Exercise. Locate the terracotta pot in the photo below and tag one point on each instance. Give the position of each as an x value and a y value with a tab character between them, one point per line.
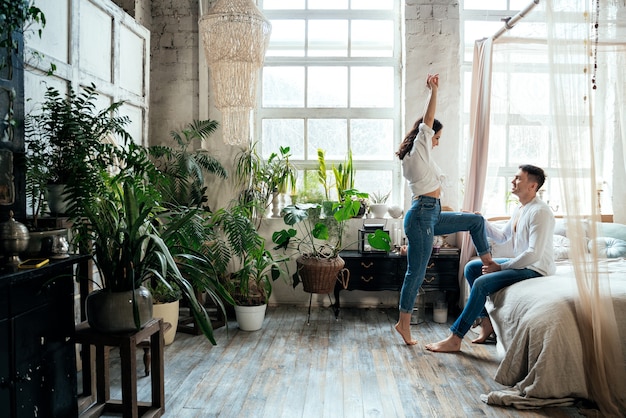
111	312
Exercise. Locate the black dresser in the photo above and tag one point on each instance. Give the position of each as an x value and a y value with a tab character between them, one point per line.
37	356
385	271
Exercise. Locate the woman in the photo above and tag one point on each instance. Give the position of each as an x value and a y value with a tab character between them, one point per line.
424	219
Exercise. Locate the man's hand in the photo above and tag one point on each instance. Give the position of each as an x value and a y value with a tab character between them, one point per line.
490	268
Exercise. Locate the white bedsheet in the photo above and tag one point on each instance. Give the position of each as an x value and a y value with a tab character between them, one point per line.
539	340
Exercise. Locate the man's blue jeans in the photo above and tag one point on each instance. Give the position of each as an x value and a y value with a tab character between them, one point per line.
422	222
483	285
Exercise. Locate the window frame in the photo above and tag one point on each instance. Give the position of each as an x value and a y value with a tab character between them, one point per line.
348	113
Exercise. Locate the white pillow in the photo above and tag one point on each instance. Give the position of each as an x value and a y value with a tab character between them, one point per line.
560	247
609	247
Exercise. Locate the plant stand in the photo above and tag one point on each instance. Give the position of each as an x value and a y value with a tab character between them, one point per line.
308	317
127	342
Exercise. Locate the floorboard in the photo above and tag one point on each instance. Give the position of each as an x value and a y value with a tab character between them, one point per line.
356	366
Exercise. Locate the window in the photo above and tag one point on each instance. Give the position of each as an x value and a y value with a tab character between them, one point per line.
332	80
520	115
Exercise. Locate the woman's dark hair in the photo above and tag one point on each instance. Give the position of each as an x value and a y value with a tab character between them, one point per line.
407	143
534	173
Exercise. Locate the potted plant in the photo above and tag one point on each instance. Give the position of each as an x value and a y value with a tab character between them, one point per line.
194	240
119	226
253	267
69	140
318	240
184	167
166	303
264	180
378	204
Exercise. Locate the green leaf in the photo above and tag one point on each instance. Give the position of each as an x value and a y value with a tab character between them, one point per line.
379	240
320	231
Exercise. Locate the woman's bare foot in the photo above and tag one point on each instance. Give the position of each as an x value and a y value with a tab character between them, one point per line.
406	334
452	344
485	331
404	328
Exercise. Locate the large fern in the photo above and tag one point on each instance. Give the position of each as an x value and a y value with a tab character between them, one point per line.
185	166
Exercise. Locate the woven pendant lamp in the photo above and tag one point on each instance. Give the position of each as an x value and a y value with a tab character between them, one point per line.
235	35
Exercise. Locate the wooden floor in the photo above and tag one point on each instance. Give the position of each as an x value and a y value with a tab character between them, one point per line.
354	367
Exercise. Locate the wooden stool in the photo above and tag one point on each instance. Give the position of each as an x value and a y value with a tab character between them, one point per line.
145	344
127	343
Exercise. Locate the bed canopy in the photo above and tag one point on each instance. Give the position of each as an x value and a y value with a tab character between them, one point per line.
569	58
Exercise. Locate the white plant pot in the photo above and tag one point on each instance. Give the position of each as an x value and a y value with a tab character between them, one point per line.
169	313
250	318
379	210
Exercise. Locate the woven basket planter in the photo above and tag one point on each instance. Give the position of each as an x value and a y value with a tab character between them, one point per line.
320	275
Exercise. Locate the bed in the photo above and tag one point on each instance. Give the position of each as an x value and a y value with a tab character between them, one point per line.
537	331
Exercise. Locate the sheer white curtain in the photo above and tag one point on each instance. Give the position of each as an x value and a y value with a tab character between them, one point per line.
479	134
553	65
581	37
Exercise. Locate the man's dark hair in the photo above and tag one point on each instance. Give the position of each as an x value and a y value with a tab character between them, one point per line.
535	173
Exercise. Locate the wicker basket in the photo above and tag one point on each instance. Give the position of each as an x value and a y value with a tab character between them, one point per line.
320	275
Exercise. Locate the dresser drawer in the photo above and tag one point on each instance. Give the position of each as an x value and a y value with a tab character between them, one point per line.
373	274
442	273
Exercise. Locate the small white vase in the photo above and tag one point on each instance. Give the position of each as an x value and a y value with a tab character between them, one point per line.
250	318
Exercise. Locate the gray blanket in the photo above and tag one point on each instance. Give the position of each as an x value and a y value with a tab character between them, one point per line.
538	337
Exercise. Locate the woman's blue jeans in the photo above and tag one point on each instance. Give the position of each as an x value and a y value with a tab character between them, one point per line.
422	222
483	285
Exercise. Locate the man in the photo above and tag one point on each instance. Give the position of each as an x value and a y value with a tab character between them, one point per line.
530	229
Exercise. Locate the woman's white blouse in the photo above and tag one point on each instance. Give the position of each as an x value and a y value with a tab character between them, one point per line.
418	168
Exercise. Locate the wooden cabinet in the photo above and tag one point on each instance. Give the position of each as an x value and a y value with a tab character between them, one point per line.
375	272
37	356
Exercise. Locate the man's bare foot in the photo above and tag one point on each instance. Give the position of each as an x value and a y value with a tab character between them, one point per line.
485	331
406	335
452	344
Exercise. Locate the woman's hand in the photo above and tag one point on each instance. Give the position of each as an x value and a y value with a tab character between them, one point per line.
432	81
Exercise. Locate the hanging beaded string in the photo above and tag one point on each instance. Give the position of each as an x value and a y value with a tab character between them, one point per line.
596	30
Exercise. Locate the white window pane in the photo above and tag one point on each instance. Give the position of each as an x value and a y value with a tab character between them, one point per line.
329	135
287	38
372	4
283	133
479	29
530	101
482	5
283	4
328	87
328	38
475	30
372	139
371	87
328	4
372	38
518	4
467	91
283	87
374	181
528	145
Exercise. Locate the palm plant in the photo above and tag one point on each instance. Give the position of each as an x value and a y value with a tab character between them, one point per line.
186	168
252	268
